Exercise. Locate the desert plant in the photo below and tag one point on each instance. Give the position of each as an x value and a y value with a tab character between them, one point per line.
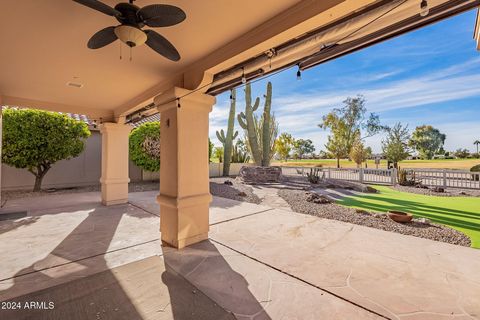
314	175
227	140
404	179
240	153
261	134
35	140
144	146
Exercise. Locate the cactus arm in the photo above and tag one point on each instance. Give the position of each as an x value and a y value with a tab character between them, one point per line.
235	135
241	121
257	103
221	136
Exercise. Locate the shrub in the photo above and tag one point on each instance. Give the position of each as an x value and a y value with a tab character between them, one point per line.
36	139
144	145
475	169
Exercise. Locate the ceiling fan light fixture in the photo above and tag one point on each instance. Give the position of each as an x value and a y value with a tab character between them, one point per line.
131	36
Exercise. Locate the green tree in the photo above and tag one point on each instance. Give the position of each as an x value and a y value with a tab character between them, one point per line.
358	152
395	145
144	146
476	143
462	153
427	140
303	147
283	145
336	145
218	153
35	140
351	122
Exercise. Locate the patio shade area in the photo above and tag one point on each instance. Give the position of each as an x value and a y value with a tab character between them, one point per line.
259	262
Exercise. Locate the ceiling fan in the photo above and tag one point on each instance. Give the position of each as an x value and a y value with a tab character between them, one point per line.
132	19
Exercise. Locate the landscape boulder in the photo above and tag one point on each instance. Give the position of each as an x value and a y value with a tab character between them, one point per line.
316	198
258	175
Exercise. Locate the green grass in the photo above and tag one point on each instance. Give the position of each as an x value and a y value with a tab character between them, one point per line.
461	213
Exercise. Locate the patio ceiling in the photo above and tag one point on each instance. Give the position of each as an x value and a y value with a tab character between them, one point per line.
47	48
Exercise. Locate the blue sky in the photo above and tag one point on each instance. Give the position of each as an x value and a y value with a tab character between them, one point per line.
429	76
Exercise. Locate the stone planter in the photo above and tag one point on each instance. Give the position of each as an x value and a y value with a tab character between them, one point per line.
257	174
400	216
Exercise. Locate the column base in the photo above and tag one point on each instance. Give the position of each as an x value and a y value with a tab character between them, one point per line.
184	221
114	193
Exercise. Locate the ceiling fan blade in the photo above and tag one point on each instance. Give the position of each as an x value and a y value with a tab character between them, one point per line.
161	15
102	38
161	45
99	6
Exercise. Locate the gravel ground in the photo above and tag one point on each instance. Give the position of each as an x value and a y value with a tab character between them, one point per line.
236	191
297	201
132	187
449	192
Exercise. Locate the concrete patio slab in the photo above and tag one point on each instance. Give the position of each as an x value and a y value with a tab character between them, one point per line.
221	209
401	277
260	263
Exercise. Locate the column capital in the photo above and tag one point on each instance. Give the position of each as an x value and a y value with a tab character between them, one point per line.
113	126
168	99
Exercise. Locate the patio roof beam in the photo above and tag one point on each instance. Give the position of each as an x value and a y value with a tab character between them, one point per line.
436	14
329	42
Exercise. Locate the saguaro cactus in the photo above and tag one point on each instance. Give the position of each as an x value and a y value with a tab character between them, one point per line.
227	140
246	120
260	134
266	134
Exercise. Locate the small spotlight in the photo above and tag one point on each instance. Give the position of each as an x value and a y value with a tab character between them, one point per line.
299	73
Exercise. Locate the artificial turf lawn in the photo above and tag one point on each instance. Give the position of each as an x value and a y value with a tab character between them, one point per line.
461	213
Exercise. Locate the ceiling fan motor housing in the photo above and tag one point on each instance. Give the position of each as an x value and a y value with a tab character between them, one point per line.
131	36
129	31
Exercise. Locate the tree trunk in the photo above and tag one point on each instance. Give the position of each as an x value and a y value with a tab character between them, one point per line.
338	162
41	172
38	183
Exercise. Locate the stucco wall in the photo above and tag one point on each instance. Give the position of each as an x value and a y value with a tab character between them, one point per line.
80	171
216	169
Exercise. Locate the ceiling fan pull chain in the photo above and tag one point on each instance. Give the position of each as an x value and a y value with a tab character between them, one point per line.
130	54
120	45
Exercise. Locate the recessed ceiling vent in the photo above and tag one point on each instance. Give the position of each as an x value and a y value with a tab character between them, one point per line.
75	84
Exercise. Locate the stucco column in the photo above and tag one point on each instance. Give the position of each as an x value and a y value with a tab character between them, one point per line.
114	178
184	184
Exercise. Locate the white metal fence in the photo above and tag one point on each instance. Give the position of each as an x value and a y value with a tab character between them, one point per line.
363	175
446	178
429	177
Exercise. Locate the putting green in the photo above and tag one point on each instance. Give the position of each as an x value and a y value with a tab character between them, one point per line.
461	213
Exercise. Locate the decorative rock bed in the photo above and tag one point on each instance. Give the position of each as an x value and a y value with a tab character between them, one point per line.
301	201
432	191
232	189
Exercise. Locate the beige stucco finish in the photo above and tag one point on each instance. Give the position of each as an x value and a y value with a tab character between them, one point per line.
184	187
114	178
